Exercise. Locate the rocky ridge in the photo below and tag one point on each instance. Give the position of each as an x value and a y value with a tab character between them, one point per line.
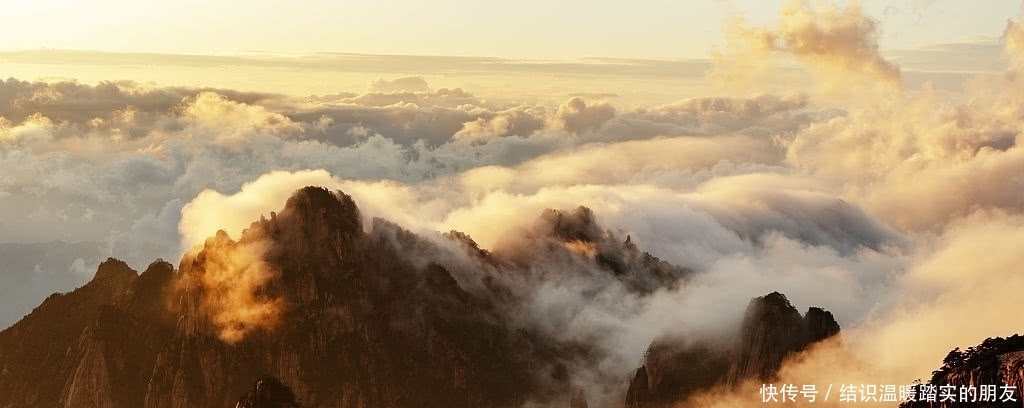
771	331
997	362
342	317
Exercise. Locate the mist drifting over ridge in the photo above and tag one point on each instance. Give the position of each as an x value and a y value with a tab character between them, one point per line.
898	210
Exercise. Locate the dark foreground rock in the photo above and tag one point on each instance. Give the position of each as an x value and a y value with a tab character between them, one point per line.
269	392
992	374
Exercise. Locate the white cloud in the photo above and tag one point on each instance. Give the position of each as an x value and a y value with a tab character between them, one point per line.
889	211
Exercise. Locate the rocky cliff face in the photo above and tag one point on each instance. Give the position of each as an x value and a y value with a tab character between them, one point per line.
565	237
357	323
996	361
345	318
36	354
771	331
269	392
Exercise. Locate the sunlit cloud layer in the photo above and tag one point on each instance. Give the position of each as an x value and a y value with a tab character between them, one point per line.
898	209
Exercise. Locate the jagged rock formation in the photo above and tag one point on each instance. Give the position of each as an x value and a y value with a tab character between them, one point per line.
34	365
672	370
996	361
345	318
772	330
563	234
269	392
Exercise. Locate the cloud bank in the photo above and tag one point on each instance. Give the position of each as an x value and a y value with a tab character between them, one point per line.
835	43
899	212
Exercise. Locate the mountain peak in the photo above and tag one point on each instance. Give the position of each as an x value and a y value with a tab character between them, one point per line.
114	270
774	299
771	331
352	319
820	324
269	392
578	225
312	201
312	214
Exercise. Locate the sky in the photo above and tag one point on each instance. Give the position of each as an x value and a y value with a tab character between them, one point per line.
661	29
867	160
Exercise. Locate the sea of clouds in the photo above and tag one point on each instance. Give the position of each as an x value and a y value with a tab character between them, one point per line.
898	210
